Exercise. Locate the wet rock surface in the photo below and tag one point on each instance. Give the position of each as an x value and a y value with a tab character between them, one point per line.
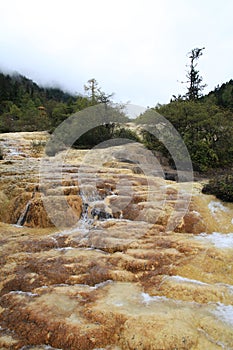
21	196
134	281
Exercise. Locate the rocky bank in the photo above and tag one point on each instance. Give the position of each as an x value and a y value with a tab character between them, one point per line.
157	275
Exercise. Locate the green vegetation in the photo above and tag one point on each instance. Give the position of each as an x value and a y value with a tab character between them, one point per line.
222	95
103	133
25	106
88	128
221	187
206	128
194	80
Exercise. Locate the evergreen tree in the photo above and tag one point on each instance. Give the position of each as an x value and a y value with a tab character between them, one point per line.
194	81
93	90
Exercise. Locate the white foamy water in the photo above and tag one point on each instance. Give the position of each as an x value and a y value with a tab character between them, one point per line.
196	213
219	240
228	286
76	229
180	279
11	150
20	292
101	284
184	279
216	207
39	347
224	313
146	298
65	249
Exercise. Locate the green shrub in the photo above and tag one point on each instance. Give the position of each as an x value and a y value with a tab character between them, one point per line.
103	133
206	129
126	133
221	187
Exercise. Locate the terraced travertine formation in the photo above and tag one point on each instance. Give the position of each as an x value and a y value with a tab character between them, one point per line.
131	282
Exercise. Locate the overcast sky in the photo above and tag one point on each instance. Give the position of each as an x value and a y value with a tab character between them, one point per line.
134	48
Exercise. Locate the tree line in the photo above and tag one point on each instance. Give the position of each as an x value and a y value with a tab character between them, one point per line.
25	106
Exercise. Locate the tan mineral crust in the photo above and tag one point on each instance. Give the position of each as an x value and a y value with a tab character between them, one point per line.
151	277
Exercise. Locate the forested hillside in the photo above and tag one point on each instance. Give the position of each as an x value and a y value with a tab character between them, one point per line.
25	106
222	95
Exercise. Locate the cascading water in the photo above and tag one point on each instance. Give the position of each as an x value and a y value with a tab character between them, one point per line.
23	217
94	205
21	220
11	149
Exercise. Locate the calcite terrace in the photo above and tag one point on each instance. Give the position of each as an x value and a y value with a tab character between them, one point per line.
148	278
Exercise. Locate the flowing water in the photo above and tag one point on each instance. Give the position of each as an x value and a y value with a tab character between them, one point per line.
172	287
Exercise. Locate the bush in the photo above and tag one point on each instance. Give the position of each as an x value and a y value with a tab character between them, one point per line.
103	133
206	129
221	187
126	133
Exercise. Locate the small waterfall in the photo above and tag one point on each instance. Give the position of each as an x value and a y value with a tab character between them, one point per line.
23	216
21	220
11	149
85	221
94	207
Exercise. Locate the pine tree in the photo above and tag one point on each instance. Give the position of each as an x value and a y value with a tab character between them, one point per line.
194	81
